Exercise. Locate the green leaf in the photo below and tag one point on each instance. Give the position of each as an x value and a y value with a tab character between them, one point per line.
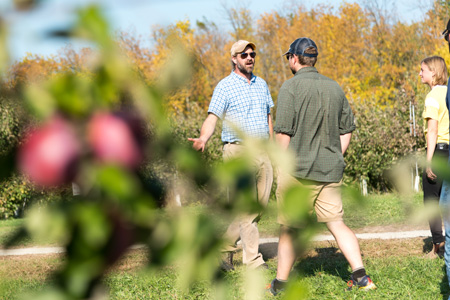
92	25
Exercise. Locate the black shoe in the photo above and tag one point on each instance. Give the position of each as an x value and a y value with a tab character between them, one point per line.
226	266
272	289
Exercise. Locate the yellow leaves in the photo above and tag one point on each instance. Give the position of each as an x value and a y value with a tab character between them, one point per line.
442	50
184	27
33	68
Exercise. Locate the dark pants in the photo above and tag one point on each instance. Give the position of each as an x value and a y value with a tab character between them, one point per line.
432	193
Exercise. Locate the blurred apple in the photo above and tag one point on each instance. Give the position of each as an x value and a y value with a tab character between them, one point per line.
113	140
50	154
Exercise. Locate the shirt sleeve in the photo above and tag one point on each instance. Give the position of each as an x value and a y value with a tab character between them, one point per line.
347	123
431	110
285	117
219	101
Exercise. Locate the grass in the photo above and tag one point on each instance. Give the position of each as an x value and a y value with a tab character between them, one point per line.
8	228
398	267
384	210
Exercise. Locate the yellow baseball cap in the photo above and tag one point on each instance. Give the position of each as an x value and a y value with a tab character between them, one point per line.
240	46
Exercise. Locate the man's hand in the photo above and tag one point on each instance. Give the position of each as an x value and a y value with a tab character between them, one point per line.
205	133
198	144
430	174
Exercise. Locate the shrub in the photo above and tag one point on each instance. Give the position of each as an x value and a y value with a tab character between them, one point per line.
15	195
11	123
15	192
382	136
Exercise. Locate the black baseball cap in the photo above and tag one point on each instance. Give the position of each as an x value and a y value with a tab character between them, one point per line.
446	31
299	46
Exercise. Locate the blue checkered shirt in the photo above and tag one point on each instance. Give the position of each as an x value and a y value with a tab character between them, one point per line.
242	105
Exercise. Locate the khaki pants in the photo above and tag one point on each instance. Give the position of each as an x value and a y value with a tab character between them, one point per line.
324	198
244	227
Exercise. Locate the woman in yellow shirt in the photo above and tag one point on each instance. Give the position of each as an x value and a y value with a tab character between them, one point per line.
433	72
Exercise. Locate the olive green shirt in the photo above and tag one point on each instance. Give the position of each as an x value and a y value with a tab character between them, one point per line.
313	110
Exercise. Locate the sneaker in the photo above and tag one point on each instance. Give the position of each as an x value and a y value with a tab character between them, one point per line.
226	266
271	288
364	284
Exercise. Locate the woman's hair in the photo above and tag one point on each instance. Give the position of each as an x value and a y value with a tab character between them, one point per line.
437	65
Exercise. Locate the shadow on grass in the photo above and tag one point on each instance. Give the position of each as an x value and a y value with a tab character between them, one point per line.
268	250
427	244
327	260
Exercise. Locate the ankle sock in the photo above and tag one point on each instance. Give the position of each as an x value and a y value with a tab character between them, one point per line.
279	284
358	274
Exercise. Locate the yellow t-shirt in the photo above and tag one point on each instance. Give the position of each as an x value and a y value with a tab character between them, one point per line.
436	109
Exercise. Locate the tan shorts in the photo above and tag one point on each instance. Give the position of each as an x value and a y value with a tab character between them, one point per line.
324	197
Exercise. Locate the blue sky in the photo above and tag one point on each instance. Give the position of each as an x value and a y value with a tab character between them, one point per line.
27	29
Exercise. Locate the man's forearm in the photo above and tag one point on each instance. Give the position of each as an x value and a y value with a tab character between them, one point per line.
283	140
207	129
206	132
269	120
345	141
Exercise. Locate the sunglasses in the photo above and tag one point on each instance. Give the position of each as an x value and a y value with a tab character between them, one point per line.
244	55
289	56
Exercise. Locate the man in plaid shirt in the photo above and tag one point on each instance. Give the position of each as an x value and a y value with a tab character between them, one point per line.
243	101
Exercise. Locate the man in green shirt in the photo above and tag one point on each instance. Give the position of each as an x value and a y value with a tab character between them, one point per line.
315	122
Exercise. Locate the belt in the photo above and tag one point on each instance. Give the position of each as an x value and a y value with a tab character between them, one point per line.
232	143
442	146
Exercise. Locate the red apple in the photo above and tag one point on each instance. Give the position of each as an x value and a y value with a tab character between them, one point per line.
50	153
113	140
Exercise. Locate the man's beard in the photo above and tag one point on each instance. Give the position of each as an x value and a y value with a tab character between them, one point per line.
244	70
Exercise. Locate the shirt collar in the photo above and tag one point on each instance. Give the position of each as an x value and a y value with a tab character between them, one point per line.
252	79
307	70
